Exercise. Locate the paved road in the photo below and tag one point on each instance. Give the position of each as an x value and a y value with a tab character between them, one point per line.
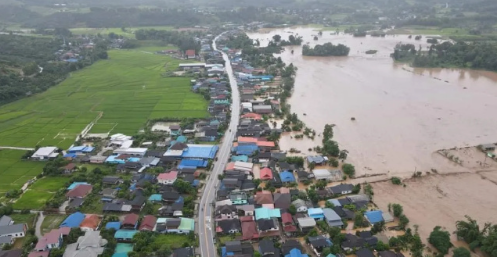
206	224
39	221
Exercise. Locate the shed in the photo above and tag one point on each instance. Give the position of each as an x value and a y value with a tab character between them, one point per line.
387	217
374	216
287	177
73	220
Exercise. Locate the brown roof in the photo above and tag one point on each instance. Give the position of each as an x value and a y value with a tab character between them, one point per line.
130	219
79	191
249	230
148	223
190	52
286	218
90	221
264	199
70	166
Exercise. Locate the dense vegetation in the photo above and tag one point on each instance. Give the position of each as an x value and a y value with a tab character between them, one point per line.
447	54
183	40
483	238
327	49
28	65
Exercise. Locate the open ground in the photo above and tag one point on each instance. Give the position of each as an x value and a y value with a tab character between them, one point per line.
441	200
122	93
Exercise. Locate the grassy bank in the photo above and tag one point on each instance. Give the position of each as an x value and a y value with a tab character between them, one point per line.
15	172
124	91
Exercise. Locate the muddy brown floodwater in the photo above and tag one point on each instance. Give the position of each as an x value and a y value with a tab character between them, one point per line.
403	115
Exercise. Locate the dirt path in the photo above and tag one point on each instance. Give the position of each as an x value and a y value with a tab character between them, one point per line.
17	148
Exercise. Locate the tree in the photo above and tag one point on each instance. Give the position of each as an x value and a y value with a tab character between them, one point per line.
396	181
73	236
397	209
380	246
292	209
440	239
378	227
461	252
488	244
276	38
311	166
348	169
329	204
469	231
403	221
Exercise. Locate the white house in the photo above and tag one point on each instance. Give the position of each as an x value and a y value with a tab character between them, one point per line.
14	231
45	153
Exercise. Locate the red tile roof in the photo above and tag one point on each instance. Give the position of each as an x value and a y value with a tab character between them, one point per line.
79	191
286	218
130	219
252	115
148	223
249	230
70	166
266	173
90	221
190	52
247	140
265	143
168	176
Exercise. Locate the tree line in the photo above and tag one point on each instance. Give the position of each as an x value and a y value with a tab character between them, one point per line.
477	55
326	49
183	40
28	64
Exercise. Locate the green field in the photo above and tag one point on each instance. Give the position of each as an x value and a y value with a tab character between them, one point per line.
29	219
124	91
49	184
14	172
128	32
33	200
50	222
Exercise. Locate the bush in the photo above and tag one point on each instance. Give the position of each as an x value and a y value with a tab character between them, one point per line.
440	239
396	181
397	209
461	252
348	169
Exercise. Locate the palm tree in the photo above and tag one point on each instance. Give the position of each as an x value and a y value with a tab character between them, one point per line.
469	230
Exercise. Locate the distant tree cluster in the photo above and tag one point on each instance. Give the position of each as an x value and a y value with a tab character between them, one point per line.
292	41
182	40
327	49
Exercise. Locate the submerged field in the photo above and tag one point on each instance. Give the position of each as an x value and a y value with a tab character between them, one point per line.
121	93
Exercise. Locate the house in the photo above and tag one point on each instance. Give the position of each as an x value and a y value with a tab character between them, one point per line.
80	191
173	210
301	205
288	224
226	212
116	225
90	223
374	216
148	223
228	226
108	194
175	225
237	248
322	174
75	203
89	245
247	209
318	160
11	253
316	213
111	180
304	176
6	240
287	177
289	245
389	254
45	153
125	235
184	252
52	239
249	228
73	220
368	238
262	109
282	201
167	178
332	218
190	54
130	221
266	248
296	253
306	224
137	203
352	242
266	213
238	198
318	243
6	221
341	189
264	197
266	174
268	227
364	252
387	217
69	168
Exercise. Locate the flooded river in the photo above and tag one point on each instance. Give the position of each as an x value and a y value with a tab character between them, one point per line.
402	115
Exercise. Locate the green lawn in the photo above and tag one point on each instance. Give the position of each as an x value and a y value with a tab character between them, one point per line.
124	91
50	184
172	240
50	222
29	219
33	200
14	172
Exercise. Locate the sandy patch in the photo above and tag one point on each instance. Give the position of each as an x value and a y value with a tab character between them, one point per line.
438	200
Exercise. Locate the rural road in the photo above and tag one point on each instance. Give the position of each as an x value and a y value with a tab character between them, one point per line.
39	221
17	148
206	225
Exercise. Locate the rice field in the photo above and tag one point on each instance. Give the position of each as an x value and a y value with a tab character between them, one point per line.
120	93
14	172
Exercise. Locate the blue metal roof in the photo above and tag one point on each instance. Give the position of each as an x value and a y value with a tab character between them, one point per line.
113	225
287	176
73	220
75	184
193	162
296	253
200	151
155	197
374	216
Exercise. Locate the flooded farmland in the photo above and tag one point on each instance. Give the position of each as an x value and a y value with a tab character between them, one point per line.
402	115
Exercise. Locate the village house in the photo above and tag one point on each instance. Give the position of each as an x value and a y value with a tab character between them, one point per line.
318	243
89	245
90	223
52	239
228	226
45	153
341	189
80	191
332	218
167	178
306	224
301	205
148	223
